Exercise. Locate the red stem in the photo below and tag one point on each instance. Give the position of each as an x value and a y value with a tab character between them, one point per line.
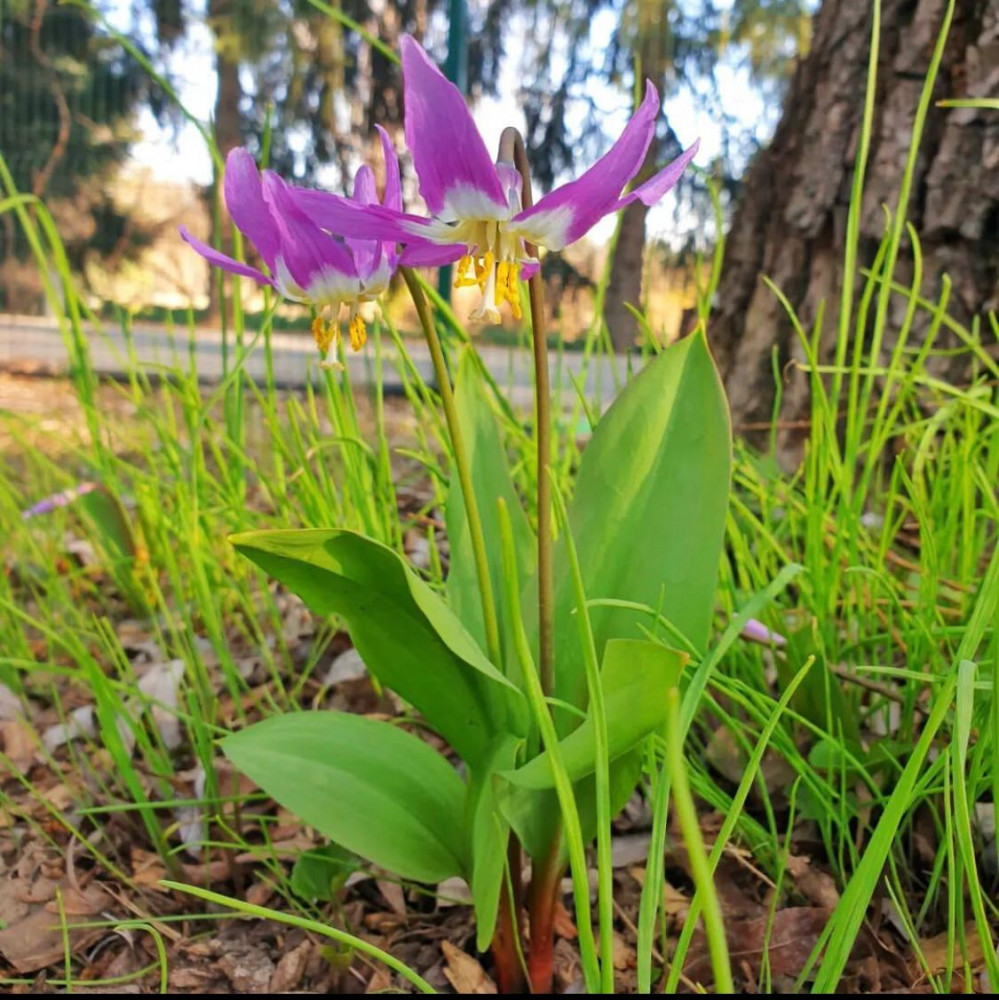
542	896
509	972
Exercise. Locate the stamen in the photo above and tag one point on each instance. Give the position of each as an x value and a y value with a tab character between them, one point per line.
484	270
462	278
358	332
327	336
506	287
324	334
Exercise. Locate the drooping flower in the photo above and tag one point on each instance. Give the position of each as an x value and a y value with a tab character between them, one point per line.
306	263
477	215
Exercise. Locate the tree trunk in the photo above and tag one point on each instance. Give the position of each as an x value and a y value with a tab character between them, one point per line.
791	223
624	286
228	133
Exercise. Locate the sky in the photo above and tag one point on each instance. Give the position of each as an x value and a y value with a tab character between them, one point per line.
182	156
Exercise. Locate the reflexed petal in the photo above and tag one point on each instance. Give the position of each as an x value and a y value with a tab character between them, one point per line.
365	189
245	201
569	212
315	261
218	259
458	179
432	254
367	253
367	222
392	198
655	187
529	269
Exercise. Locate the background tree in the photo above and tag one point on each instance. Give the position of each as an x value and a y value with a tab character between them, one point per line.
676	44
68	95
790	223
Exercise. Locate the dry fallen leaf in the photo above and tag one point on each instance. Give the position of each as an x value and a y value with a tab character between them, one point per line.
793	935
463	972
624	954
936	951
34	940
563	923
17	741
393	894
249	970
290	969
816	886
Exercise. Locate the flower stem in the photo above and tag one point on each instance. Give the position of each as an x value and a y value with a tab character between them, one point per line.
543	896
461	463
512	148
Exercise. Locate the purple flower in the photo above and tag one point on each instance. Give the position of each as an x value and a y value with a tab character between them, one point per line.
305	263
478	219
62	499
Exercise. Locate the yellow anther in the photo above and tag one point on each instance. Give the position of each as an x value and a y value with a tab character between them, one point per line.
506	287
324	334
483	270
358	333
462	278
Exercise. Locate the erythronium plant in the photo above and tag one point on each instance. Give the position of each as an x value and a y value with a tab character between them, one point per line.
478	213
305	263
539	665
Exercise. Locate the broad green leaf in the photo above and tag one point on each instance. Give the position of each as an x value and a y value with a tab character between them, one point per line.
534	814
648	512
490	834
408	637
635	675
320	873
491	480
111	521
369	786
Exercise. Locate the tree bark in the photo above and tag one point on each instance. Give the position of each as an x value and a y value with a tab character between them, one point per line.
228	132
624	287
791	222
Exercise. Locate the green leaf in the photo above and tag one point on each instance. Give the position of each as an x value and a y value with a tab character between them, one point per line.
491	480
371	787
111	521
408	637
320	873
820	697
648	513
490	833
635	675
534	814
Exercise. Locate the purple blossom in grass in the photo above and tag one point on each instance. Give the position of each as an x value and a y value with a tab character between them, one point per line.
56	500
304	262
756	631
478	219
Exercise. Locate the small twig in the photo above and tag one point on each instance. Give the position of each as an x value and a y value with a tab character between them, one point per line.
878	688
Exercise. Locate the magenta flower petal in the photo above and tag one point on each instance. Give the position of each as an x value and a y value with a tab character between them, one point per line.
529	269
245	201
218	259
392	198
337	214
458	178
432	254
321	267
367	253
569	212
365	189
655	187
